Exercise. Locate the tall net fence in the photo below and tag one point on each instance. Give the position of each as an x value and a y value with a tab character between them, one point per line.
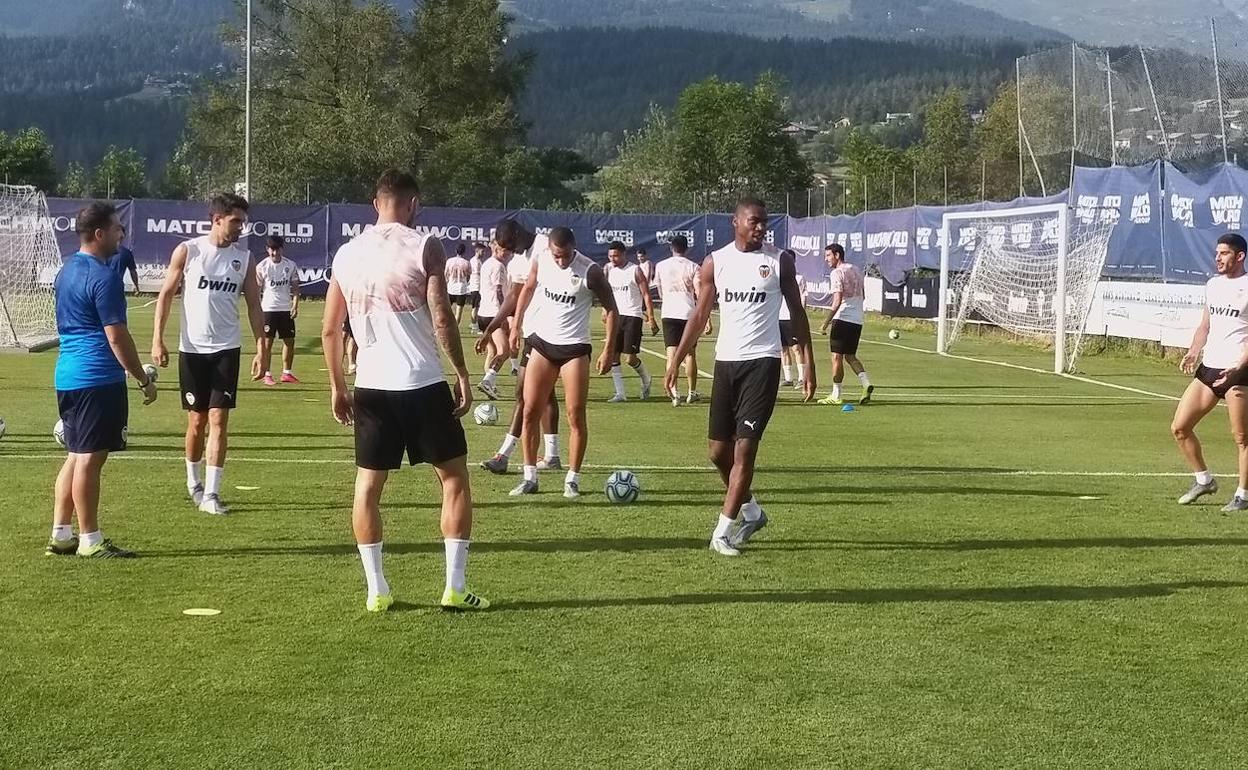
29	260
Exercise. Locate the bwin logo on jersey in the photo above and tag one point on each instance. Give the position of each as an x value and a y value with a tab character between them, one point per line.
752	296
1230	312
1227	210
225	285
565	299
1141	209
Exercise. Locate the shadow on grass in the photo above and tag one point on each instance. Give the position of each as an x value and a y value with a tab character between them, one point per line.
1006	545
882	401
1036	593
766	492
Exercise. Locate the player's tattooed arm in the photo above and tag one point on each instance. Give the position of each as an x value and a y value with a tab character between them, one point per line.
792	294
164	303
440	305
598	284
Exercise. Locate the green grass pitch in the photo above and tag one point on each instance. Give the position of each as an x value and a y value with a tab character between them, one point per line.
986	568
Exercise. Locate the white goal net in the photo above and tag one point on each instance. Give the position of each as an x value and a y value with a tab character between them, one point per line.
1029	271
29	260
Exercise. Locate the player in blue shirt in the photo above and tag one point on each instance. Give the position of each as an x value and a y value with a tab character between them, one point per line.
95	354
123	262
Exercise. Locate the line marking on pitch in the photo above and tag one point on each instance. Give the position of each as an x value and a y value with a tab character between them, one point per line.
663	356
838	470
1075	377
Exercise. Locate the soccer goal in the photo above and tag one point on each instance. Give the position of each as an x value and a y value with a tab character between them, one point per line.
1031	271
29	260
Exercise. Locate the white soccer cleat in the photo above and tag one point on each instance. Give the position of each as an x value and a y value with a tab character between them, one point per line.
212	505
489	389
196	493
571	489
618	398
693	397
646	382
525	487
550	464
721	546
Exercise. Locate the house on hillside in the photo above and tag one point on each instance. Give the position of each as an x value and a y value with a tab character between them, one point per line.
799	130
843	123
898	117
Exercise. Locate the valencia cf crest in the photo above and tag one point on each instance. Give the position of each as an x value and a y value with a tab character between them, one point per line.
576	282
238	266
764	271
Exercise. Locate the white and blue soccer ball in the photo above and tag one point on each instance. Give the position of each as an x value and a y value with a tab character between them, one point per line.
485	414
58	432
151	371
893	334
623	487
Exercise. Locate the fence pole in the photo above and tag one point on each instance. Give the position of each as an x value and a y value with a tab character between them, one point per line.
1018	98
915	172
1074	112
894	202
1217	76
1113	133
983	180
1152	92
946	185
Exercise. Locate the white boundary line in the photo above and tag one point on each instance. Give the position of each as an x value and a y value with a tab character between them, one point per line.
1077	378
663	356
842	470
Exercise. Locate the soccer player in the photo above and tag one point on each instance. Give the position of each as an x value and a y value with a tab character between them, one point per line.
96	351
648	270
632	298
351	349
458	276
677	279
493	285
212	271
791	356
525	244
279	283
390	281
845	316
123	262
474	278
554	310
751	280
1221	345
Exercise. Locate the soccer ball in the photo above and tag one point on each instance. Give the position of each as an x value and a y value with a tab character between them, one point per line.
894	335
58	432
485	414
151	371
623	487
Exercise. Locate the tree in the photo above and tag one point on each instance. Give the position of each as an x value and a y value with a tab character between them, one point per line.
946	149
120	174
26	159
77	183
643	178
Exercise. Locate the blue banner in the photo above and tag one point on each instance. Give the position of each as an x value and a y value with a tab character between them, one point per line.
1200	208
1129	196
889	237
64	215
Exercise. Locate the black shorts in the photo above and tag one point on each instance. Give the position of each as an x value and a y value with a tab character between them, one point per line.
95	418
844	337
628	335
786	334
673	330
743	396
208	380
475	298
556	354
1209	375
483	323
420	423
460	299
278	323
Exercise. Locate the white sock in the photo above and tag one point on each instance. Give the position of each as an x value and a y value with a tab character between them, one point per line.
788	372
836	390
640	368
370	556
509	445
89	540
490	376
1204	477
801	376
62	531
268	374
573	477
552	445
751	510
456	563
1241	493
530	473
722	526
617	375
288	371
192	474
514	367
212	480
864	379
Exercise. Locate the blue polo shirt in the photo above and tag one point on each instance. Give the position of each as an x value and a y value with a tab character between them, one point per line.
122	262
89	296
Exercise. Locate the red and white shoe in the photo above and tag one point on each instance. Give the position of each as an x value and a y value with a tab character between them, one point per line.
268	380
290	379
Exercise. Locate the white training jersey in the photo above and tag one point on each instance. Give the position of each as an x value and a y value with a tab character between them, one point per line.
277	284
785	313
678	286
623	282
847	280
748	283
458	274
211	286
648	269
474	275
559	311
382	275
493	287
1227	302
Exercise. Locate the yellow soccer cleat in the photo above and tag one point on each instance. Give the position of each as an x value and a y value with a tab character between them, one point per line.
830	401
463	601
380	603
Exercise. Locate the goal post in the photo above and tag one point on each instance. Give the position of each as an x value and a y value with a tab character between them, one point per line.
29	261
1031	271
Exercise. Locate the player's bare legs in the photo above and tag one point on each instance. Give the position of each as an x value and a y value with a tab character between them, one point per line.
196	438
456	533
575	374
691	374
550	431
1197	401
539	382
366	526
1237	407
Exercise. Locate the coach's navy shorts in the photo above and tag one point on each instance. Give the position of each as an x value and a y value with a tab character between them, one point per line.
95	418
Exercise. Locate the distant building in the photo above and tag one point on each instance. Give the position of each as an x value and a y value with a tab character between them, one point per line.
898	117
799	130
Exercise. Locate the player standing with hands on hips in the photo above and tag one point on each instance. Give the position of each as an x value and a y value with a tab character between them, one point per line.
751	279
1221	345
279	282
